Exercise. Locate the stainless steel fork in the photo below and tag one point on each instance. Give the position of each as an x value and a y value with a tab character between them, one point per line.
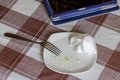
44	44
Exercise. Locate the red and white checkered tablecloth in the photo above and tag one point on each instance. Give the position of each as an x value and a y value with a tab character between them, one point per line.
20	60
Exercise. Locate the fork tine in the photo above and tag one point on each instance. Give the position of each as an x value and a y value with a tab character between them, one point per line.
51	49
51	45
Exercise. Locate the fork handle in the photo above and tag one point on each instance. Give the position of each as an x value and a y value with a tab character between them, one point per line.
11	35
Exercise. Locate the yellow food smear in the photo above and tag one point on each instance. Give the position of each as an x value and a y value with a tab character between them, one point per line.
66	58
78	60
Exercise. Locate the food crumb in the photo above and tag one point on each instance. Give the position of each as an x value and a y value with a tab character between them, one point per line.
78	60
66	58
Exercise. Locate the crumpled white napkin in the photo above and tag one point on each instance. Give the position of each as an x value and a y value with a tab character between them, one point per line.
83	44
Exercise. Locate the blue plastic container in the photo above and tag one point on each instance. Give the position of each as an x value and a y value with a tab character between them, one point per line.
73	13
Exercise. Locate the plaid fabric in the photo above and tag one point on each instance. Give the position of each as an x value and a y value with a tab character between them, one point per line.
21	60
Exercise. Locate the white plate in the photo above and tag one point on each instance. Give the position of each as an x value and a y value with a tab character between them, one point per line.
69	61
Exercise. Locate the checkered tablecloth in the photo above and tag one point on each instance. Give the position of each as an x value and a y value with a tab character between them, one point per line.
21	60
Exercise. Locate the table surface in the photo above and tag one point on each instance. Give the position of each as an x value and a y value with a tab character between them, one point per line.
21	60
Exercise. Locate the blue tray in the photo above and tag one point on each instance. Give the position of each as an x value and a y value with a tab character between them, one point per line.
81	13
